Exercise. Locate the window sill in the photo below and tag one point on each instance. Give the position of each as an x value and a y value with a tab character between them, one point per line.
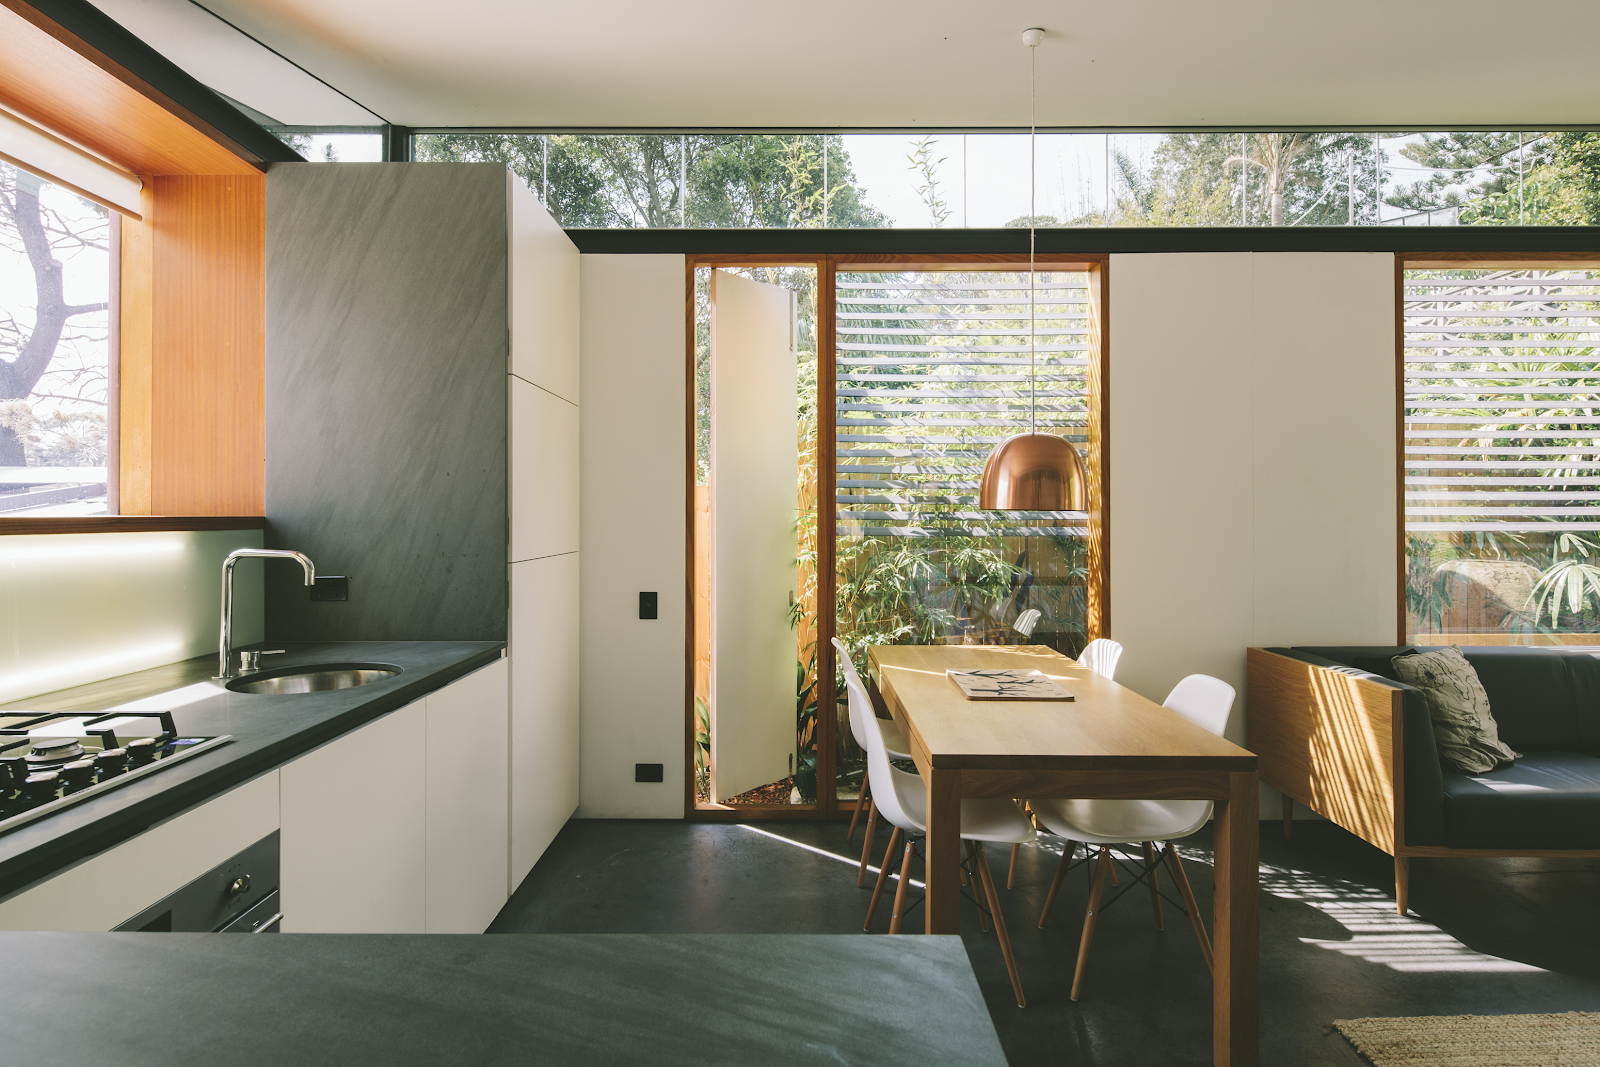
129	524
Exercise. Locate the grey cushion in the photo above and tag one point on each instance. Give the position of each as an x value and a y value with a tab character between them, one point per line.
1463	727
1547	799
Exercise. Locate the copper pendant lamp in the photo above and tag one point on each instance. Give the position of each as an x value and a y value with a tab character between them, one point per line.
1033	471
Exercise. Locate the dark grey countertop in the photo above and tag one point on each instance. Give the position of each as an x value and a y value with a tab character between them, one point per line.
267	731
744	1000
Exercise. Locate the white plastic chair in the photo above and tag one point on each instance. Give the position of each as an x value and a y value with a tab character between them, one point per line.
1100	656
902	800
1205	701
894	739
1025	622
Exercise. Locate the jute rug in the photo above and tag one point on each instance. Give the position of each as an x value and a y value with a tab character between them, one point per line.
1569	1040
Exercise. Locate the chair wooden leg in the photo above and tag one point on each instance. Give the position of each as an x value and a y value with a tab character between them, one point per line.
883	876
861	802
1199	924
1153	868
1288	816
900	890
1101	869
1000	925
866	843
1011	875
1055	883
976	882
1402	882
1114	879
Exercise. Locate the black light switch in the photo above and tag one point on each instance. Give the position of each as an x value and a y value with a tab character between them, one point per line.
648	772
330	587
647	610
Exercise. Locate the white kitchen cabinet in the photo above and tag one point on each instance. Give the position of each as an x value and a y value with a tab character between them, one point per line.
354	844
544	427
113	886
544	705
467	813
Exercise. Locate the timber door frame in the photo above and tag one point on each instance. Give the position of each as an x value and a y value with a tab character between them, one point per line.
1097	466
826	806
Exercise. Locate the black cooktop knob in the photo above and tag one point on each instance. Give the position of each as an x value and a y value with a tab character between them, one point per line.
144	750
77	774
41	788
112	761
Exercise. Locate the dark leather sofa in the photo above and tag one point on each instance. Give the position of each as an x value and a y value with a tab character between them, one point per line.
1304	723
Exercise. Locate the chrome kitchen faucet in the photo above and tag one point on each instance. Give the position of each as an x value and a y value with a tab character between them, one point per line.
224	668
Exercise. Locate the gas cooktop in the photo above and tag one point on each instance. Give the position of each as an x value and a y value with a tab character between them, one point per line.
49	761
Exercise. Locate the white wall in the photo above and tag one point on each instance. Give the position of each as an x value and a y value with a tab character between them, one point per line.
543	395
1252	460
632	534
76	608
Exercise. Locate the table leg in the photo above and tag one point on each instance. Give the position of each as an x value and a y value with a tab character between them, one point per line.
942	902
1236	1029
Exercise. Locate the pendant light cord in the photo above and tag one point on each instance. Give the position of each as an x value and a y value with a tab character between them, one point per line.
1033	182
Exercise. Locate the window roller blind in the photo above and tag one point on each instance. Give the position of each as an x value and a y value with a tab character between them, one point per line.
1502	401
42	154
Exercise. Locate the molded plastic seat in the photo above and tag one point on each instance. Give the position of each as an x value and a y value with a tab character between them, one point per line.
894	738
901	798
1100	656
1205	701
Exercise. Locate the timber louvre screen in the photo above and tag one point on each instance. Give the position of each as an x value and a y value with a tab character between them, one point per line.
932	370
1501	391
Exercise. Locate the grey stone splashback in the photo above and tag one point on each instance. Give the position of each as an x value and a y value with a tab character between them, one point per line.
386	398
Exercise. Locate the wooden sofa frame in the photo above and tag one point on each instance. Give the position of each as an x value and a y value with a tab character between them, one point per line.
1334	742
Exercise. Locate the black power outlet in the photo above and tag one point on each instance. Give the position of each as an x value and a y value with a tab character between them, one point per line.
647	607
331	587
649	772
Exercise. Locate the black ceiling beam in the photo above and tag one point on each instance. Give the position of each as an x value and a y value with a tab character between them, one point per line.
93	34
1085	241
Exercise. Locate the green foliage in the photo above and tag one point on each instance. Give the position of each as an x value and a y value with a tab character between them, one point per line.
702	749
1570	577
653	180
922	161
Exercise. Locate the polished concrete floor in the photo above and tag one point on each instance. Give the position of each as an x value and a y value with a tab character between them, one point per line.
1484	936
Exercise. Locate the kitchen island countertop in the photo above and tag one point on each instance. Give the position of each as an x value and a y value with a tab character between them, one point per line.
399	999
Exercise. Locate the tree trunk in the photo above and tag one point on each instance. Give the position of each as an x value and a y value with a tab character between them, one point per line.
19	376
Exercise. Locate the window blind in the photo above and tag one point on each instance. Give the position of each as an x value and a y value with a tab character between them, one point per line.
1502	401
932	370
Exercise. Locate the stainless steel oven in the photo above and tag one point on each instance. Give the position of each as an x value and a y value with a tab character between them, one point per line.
238	896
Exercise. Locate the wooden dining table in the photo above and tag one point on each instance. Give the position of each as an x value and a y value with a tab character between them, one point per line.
1108	742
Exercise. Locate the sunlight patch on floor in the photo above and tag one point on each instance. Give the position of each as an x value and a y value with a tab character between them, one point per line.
813	849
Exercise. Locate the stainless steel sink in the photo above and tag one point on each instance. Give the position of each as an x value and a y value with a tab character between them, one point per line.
314	678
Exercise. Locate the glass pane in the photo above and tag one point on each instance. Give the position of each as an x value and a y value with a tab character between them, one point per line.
333	144
933	369
1502	466
1221	178
55	281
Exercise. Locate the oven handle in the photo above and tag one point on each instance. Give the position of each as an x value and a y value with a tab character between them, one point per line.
269	924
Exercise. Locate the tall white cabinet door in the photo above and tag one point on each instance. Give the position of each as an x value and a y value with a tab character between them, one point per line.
544	705
467	809
354	842
754	459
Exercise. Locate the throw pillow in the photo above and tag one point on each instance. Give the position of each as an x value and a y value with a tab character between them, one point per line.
1463	729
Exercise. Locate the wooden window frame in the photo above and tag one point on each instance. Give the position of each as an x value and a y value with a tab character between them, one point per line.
1404	261
1097	466
190	345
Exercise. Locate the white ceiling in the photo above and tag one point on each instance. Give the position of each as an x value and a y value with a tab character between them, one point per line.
943	63
231	63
